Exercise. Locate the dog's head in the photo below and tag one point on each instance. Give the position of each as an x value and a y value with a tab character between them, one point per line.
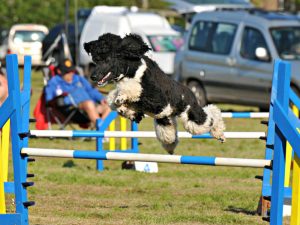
115	57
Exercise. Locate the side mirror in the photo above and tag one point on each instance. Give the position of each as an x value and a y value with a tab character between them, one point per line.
262	54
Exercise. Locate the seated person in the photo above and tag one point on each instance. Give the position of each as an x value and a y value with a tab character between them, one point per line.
3	87
75	90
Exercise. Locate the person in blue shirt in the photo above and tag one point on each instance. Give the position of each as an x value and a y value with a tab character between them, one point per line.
77	91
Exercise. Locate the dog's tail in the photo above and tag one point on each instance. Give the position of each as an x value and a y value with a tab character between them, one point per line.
217	125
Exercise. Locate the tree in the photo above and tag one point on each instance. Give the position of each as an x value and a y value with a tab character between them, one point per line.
51	12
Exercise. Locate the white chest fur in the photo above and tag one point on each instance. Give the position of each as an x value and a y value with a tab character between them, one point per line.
131	87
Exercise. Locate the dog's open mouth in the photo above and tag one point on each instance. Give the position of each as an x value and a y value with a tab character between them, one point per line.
104	80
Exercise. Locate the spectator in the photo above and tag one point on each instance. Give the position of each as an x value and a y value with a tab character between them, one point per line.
3	87
76	91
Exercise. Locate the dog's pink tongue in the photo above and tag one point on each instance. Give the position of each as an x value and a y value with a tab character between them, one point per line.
104	78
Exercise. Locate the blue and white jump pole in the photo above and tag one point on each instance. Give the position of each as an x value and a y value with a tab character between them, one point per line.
244	115
179	159
136	134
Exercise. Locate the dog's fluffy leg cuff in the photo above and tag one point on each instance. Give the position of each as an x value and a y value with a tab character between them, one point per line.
167	135
214	116
111	99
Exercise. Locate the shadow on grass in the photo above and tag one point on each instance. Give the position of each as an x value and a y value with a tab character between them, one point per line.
240	210
69	164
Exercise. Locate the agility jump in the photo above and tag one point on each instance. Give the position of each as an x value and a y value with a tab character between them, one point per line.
286	129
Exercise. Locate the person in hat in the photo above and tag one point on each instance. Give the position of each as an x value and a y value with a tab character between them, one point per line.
77	91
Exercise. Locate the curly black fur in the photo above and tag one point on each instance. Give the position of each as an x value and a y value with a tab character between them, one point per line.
143	88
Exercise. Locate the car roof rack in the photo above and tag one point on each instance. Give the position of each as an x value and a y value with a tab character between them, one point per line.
267	14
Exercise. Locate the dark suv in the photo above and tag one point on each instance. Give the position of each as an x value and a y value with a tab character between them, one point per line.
228	55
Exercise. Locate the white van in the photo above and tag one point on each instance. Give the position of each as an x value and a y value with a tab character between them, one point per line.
26	39
154	30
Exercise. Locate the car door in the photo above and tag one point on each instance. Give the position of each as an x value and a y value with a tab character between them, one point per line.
208	58
255	75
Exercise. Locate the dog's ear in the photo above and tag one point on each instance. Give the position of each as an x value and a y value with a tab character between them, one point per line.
88	46
93	48
133	47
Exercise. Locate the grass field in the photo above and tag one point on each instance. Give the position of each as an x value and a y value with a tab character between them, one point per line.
73	192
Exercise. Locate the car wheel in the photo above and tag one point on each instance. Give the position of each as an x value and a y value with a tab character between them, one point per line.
198	91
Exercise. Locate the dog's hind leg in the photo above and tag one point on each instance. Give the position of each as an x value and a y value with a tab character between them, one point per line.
209	119
166	132
217	126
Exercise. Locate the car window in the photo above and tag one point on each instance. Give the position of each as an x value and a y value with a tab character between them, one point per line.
287	42
212	37
28	36
251	40
165	43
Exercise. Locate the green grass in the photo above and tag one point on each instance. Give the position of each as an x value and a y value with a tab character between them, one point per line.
73	192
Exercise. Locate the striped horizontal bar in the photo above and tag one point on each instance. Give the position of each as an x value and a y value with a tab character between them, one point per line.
245	115
136	134
196	160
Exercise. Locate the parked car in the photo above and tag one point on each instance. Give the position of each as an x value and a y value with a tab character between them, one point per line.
153	29
228	55
188	8
26	39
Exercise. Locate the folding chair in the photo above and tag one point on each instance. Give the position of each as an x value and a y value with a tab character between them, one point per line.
55	112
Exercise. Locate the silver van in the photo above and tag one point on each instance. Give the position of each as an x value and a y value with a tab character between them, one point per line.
228	55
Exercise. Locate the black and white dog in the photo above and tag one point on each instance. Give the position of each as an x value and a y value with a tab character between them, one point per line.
142	88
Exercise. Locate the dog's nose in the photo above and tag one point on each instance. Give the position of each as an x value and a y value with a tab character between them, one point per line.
94	77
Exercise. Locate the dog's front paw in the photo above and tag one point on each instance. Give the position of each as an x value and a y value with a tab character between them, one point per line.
126	112
122	111
137	117
120	100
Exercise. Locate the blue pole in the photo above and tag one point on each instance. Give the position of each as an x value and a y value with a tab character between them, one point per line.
99	145
134	141
101	126
17	143
266	182
282	96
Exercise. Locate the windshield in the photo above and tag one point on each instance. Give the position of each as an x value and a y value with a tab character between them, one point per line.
287	42
165	43
28	36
